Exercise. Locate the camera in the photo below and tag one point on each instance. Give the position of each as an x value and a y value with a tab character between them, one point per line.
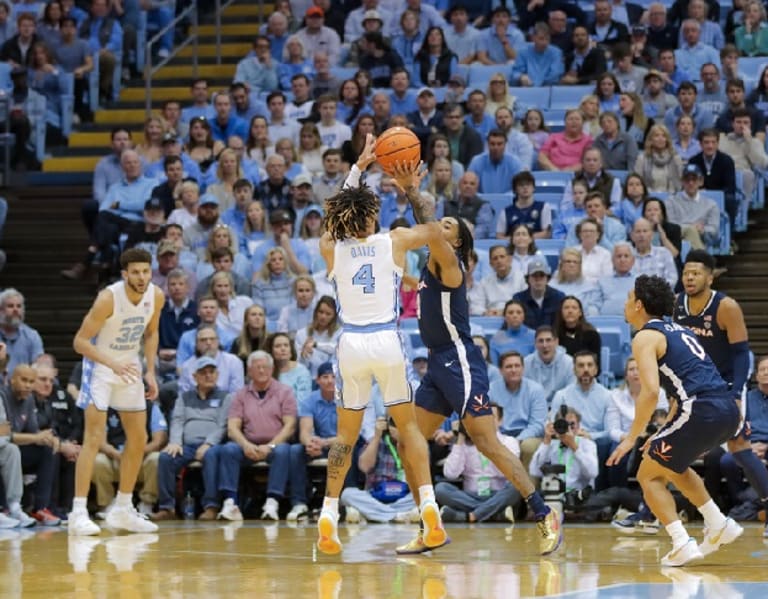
560	424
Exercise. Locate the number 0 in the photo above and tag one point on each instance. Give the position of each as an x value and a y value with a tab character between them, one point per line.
694	346
364	276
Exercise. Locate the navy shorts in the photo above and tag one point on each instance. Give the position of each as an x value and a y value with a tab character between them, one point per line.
456	381
698	426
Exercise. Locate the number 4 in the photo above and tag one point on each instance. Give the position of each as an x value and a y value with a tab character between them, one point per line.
364	276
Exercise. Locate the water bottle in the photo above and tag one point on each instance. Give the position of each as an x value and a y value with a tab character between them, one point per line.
189	507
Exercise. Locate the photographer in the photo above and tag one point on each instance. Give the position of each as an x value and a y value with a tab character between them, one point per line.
485	492
565	444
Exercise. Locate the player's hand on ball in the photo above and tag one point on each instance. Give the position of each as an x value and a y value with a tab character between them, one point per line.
368	155
408	175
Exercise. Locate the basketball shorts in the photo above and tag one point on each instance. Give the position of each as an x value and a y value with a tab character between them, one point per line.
365	356
698	425
456	381
104	389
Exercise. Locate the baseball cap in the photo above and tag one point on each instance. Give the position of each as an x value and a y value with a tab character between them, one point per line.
153	204
539	265
653	73
169	138
280	216
301	180
325	368
372	15
314	208
457	80
314	11
204	362
419	353
209	199
691	170
166	247
425	90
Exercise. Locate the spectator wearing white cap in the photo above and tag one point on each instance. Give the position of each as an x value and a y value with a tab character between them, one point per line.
301	198
354	25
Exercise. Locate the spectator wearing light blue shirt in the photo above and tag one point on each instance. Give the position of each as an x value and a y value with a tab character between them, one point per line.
258	72
607	298
477	117
518	143
539	63
428	15
513	335
495	168
694	53
549	365
105	38
524	403
502	41
686	96
201	107
230	367
409	38
402	100
462	38
225	124
23	343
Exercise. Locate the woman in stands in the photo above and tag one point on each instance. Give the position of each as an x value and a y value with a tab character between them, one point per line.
665	233
151	149
590	110
633	202
435	60
574	331
522	246
633	119
187	198
316	343
44	78
231	306
363	79
498	95
407	42
352	148
253	335
595	260
534	127
48	26
513	335
441	181
255	229
201	146
563	151
438	147
295	62
659	165
284	146
752	36
228	170
258	147
223	236
311	230
352	102
287	369
311	149
607	91
297	313
686	145
758	97
273	283
569	278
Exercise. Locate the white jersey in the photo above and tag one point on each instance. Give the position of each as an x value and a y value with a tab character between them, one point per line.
367	280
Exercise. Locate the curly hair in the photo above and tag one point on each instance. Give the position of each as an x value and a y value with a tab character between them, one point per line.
656	295
348	213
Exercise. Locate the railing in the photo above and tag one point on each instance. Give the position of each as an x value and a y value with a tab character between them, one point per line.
219	7
150	71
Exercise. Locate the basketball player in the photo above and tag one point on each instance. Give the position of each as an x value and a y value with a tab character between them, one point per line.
457	377
366	269
719	325
109	339
703	415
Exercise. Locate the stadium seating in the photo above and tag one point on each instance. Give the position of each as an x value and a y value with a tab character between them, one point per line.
568	96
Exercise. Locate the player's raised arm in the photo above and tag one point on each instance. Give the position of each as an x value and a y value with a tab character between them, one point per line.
366	158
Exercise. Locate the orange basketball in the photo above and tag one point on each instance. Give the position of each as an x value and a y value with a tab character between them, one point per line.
397	144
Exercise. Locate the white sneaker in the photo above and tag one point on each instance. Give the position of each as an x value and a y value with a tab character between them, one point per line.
128	519
102	514
412	516
683	554
8	522
353	516
300	510
230	511
328	534
145	508
79	524
509	514
714	539
269	511
25	520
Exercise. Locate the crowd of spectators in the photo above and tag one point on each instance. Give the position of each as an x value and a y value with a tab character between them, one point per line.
226	190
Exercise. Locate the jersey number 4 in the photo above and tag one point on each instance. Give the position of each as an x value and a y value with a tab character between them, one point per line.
364	277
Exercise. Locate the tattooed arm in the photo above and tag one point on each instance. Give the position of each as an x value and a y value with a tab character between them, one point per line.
408	178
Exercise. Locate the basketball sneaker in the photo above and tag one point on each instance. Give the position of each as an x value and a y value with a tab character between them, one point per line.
434	534
551	531
328	530
298	511
80	524
7	521
682	555
128	519
713	539
417	546
230	511
634	524
353	515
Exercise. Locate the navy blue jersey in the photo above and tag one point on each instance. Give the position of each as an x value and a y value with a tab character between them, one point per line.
685	369
530	216
443	312
712	338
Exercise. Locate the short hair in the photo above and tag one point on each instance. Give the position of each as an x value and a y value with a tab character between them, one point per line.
734	84
596	194
541	28
275	94
10	292
169	160
590	221
332	152
496	133
197	80
134	255
300	76
740	113
218	253
399	70
241	183
260	354
117	130
687	85
326	98
510	354
655	294
177	273
452	107
25	16
728	50
545	328
708	132
522	177
700	257
63	20
582	353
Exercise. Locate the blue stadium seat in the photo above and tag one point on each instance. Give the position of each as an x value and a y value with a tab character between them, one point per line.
551	249
551	198
564	97
616	337
750	67
529	97
488	243
620	175
552	178
498	202
480	74
343	73
554	119
489	324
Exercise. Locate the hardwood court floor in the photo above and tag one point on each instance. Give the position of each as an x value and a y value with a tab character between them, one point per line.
254	560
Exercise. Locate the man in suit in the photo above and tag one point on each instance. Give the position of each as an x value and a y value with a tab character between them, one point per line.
718	169
585	63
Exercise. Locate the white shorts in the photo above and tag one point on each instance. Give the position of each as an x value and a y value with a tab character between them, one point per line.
365	356
104	389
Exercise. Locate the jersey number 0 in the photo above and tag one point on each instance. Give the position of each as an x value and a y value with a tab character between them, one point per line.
694	346
364	277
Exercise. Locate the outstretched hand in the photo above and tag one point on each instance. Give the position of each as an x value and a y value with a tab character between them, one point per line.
368	155
408	175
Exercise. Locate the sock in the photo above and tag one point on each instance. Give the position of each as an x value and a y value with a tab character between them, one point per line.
536	503
14	507
713	517
124	499
79	504
426	493
677	531
754	471
331	505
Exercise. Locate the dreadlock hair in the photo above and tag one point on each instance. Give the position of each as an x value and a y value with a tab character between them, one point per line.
348	213
467	242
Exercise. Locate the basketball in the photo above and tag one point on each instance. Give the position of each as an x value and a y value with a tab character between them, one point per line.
397	144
